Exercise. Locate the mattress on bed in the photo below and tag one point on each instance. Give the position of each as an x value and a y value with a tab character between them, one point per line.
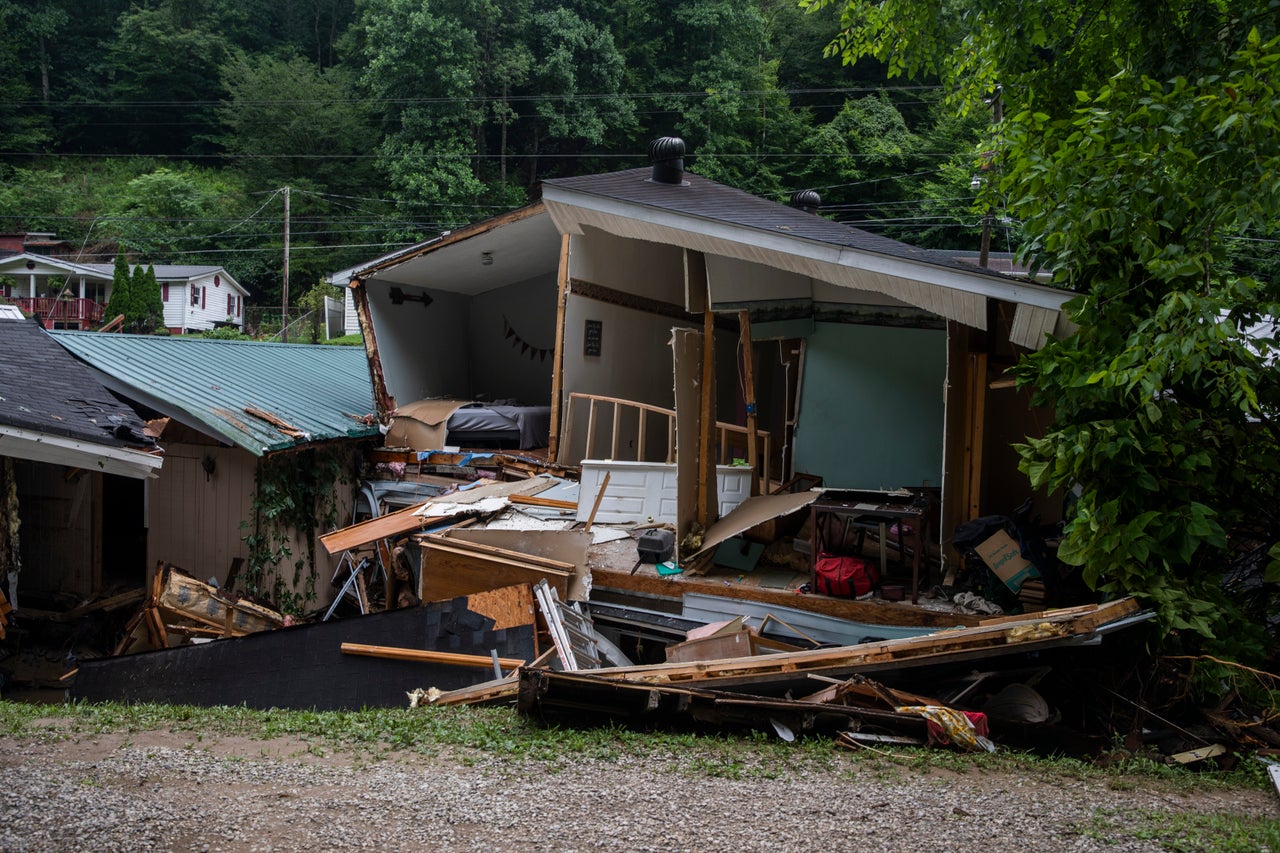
530	426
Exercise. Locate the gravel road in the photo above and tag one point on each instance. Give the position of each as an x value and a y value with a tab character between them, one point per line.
159	790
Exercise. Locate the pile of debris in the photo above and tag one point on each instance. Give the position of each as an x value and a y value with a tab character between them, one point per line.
496	586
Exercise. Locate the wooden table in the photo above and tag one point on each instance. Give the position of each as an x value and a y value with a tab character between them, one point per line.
879	508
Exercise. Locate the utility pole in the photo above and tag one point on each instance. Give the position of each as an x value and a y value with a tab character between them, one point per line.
284	293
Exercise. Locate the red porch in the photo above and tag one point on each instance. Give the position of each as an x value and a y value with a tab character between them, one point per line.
64	313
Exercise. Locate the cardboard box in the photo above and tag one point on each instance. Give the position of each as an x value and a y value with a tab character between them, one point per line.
1003	556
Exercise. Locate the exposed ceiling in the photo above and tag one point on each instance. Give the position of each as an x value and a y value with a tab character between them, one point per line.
517	249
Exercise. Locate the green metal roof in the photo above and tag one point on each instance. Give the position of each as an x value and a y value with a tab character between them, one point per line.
234	390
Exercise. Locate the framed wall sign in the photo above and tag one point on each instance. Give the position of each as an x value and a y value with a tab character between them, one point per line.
591	339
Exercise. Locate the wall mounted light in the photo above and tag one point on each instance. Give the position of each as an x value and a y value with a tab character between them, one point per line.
209	464
399	297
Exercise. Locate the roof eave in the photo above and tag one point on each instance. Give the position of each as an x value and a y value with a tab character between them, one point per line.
561	201
59	450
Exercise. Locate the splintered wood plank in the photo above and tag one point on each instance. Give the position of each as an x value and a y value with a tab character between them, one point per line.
959	642
392	524
551	503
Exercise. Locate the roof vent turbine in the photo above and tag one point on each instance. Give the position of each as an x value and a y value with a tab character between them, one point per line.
667	156
807	200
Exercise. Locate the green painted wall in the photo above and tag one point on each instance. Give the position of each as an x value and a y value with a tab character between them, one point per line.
871	406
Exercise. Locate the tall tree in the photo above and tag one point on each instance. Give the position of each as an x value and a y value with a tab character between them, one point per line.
293	123
120	301
163	71
1139	149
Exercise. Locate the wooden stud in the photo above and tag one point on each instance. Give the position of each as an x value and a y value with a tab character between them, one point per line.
557	361
749	392
604	484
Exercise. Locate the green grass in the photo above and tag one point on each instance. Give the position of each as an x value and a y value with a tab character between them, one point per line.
480	733
1189	833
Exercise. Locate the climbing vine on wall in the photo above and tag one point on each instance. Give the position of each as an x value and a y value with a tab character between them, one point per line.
296	496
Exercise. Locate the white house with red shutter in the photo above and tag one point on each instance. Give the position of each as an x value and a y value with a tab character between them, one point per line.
70	295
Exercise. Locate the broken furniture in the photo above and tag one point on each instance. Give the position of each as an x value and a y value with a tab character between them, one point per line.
180	607
857	509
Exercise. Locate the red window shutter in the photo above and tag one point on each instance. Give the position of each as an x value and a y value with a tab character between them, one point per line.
164	293
231	305
204	294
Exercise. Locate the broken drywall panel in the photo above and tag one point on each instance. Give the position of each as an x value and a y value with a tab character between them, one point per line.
749	513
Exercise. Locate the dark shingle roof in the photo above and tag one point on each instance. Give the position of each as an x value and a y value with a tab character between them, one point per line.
714	201
45	389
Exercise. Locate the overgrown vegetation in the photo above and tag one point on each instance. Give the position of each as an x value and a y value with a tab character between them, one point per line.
294	499
1140	155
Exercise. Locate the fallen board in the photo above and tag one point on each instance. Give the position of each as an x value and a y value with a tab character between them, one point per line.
304	667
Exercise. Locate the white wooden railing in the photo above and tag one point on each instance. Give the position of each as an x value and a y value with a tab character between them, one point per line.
612	416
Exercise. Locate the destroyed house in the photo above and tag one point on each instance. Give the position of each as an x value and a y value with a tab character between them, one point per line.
222	409
73	455
875	365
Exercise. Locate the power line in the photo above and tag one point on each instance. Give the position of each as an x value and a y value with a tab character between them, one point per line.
479	100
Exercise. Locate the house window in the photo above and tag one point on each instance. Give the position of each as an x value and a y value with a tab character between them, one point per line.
195	295
217	281
164	293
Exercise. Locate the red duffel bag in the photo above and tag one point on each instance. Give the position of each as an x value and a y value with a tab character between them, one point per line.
846	577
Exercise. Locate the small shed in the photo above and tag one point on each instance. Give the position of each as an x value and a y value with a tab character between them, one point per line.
230	414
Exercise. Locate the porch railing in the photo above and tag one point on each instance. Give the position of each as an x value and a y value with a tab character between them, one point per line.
638	431
83	312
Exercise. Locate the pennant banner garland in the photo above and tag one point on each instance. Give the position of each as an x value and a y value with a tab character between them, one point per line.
526	348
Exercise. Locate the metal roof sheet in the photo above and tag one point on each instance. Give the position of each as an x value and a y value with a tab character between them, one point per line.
262	397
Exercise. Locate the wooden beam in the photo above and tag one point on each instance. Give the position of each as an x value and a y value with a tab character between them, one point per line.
551	503
975	432
392	524
557	361
749	393
929	648
424	656
595	507
698	283
383	401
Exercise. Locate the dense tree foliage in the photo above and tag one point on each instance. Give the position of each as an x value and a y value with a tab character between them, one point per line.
171	126
1140	154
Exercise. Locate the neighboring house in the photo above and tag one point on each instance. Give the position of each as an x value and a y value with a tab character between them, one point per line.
876	364
70	295
231	406
77	460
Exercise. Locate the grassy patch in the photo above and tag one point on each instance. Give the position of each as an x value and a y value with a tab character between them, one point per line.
483	734
1189	833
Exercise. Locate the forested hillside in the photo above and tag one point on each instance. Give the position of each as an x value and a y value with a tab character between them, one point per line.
170	127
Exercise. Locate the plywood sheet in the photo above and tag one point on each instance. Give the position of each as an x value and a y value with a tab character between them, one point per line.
565	546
